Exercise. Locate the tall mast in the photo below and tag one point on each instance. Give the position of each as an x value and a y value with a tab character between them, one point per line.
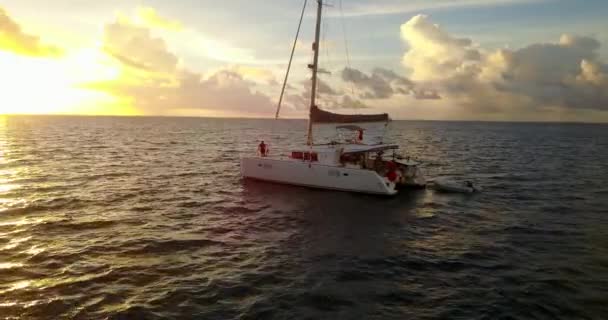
315	65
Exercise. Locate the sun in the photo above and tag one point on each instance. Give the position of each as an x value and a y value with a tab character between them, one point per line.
32	85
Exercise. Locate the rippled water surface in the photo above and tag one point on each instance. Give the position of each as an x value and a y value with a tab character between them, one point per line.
146	218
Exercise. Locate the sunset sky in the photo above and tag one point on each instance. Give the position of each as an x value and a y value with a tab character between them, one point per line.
535	60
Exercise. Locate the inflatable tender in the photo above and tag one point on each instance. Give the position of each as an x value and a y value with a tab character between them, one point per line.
445	185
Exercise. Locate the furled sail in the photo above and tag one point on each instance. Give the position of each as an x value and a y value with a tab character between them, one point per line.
321	116
368	129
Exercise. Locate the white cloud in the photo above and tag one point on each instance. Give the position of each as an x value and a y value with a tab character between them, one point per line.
537	78
135	45
435	54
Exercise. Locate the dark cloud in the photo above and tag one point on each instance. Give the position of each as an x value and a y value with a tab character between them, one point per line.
325	88
384	83
392	76
374	86
328	98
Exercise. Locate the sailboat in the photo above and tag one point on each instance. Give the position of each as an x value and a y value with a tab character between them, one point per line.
354	162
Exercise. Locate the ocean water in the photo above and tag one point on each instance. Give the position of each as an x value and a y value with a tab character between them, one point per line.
148	218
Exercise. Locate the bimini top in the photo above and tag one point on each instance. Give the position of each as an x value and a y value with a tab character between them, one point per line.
359	148
351	148
321	116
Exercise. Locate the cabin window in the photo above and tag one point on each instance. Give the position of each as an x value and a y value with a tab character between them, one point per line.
304	156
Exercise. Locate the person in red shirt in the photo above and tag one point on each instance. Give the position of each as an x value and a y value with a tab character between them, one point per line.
392	172
263	149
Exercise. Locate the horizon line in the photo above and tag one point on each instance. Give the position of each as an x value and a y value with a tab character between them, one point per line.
271	118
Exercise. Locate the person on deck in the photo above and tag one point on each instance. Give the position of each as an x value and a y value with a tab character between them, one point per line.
263	149
392	174
360	136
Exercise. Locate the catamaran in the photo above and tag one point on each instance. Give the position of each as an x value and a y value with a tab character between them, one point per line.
355	160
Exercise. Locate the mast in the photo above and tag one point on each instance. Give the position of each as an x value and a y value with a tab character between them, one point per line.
315	64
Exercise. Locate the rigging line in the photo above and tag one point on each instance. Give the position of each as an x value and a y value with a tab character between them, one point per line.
324	29
293	50
329	63
352	88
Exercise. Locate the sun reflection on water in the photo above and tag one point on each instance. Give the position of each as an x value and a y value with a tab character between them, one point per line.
19	285
34	250
21	222
3	234
23	304
6	175
15	242
10	265
7	187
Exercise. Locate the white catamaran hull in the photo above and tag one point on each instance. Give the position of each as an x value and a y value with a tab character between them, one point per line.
305	173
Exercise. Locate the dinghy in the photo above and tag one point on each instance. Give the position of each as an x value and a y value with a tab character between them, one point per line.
447	185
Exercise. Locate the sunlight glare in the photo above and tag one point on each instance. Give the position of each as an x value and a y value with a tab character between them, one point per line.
52	86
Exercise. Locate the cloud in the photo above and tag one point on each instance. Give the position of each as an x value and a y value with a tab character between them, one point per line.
326	89
255	74
189	40
433	52
224	91
221	91
149	16
542	76
426	95
350	103
328	97
153	81
392	76
323	71
375	86
13	39
296	101
384	84
135	46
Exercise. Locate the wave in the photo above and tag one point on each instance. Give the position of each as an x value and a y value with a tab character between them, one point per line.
53	204
156	246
